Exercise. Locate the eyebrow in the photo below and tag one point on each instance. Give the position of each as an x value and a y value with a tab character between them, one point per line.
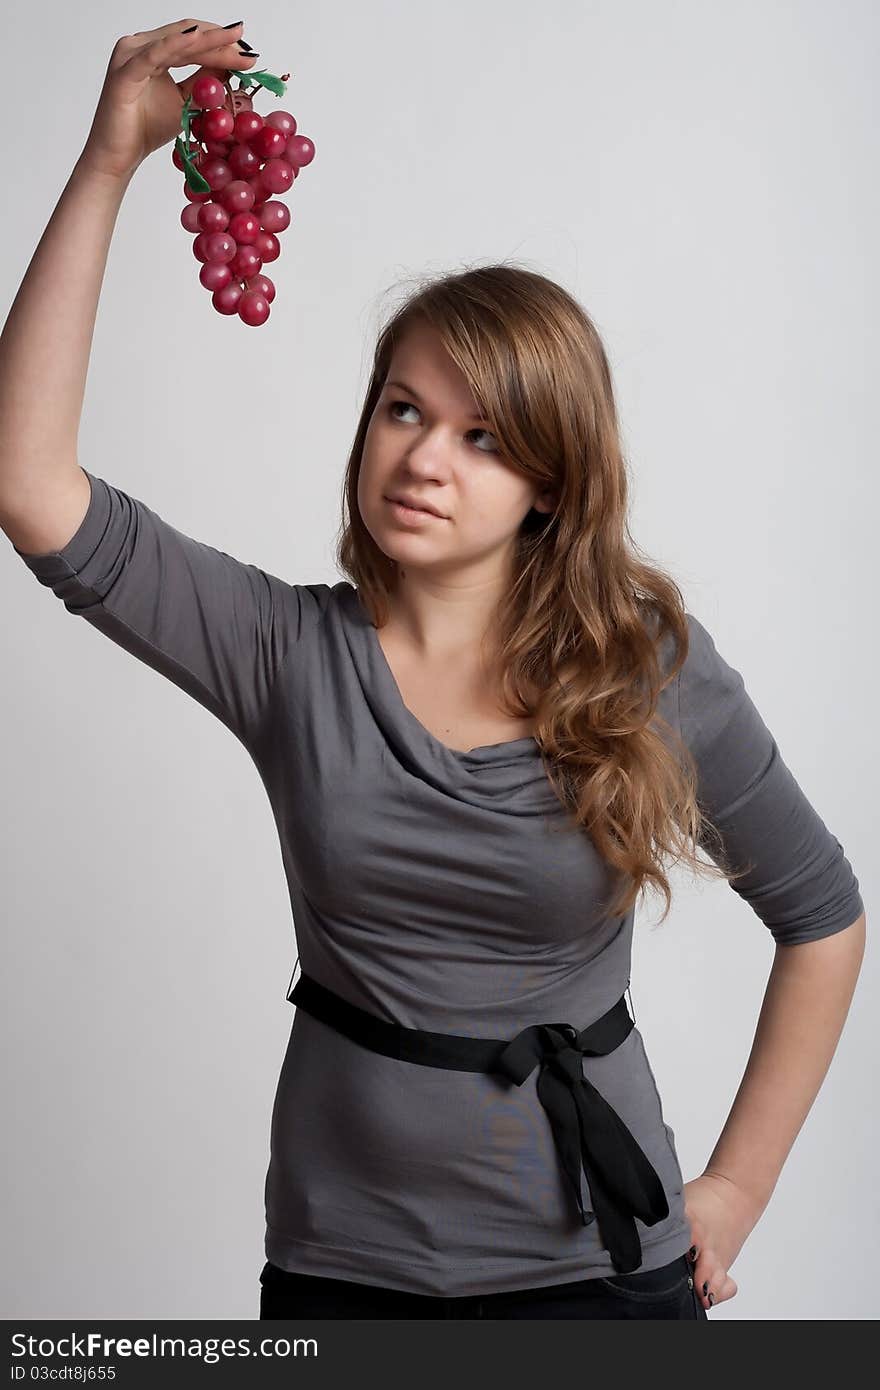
410	392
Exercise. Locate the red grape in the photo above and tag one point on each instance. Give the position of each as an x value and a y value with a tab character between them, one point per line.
243	162
237	196
277	175
261	193
199	245
300	150
253	308
283	121
214	275
247	124
226	299
189	218
268	142
244	228
268	246
246	261
213	217
216	171
208	92
263	284
274	217
219	246
218	124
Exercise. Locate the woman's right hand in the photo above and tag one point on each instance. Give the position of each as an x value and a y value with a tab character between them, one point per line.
140	103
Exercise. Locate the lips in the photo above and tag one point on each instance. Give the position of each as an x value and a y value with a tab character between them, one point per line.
415	505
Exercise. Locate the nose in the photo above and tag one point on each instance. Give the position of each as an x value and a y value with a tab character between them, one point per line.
425	456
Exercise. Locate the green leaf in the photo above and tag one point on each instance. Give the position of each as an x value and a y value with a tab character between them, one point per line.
197	182
262	79
185	118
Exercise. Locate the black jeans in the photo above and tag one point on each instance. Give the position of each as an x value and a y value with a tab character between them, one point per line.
667	1292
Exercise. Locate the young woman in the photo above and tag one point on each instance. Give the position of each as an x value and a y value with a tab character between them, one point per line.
479	748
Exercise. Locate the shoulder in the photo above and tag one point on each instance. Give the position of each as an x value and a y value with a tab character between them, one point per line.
299	608
705	676
715	711
699	661
706	690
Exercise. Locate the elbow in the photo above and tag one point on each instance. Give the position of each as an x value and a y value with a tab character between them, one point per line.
844	944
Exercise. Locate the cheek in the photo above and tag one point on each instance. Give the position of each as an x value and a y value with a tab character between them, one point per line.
368	480
495	502
362	491
373	509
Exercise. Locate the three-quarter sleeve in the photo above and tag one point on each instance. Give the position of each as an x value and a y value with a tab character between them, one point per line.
216	627
798	879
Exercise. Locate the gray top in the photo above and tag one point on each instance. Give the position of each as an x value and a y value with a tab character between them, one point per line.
444	890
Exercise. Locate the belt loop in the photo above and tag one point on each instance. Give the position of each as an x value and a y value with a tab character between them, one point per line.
290	986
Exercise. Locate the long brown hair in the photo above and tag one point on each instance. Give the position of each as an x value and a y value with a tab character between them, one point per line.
581	629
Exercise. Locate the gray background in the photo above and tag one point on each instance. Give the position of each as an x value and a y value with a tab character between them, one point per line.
703	178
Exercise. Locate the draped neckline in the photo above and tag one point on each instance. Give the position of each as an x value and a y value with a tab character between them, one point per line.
507	749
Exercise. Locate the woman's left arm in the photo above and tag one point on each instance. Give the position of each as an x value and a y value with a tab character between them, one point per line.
791	869
805	1006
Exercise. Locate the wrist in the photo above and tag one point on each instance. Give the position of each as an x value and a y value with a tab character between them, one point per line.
87	166
753	1202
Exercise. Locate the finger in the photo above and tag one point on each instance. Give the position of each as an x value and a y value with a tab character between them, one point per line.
187	28
710	1281
696	1243
701	1273
180	26
728	1289
177	50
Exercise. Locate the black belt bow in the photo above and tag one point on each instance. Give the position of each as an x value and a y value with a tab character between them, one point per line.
587	1131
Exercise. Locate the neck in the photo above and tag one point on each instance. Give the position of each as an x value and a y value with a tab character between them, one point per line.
440	621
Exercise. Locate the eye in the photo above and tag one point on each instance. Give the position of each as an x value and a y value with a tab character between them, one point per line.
407	405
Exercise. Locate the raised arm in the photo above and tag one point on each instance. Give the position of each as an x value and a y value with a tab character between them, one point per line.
44	356
214	626
46	340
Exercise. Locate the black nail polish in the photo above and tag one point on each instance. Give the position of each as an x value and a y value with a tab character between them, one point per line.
235	25
191	30
245	47
711	1299
692	1253
705	1288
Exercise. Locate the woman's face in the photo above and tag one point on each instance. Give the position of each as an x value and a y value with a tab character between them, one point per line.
425	441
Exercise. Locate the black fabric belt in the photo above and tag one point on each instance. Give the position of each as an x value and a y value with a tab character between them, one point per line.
623	1184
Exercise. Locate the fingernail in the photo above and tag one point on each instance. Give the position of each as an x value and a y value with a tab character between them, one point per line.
235	25
705	1288
692	1253
245	47
191	30
711	1299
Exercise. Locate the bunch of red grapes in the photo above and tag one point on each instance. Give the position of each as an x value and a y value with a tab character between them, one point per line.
245	160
